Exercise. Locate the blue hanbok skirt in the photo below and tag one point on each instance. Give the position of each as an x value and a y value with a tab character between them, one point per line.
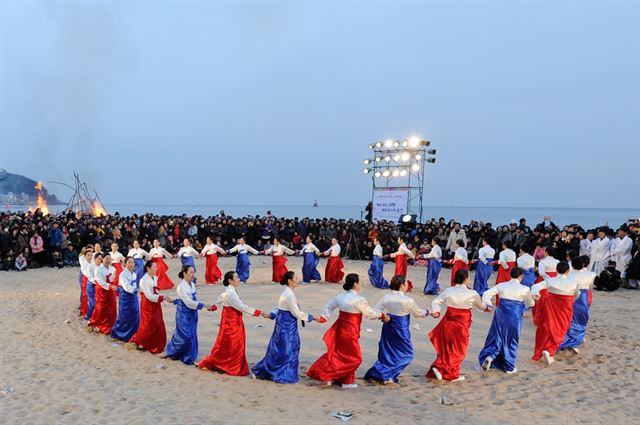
184	342
376	275
242	267
91	299
128	316
578	327
309	267
81	291
139	269
483	273
529	278
433	271
395	350
504	334
280	363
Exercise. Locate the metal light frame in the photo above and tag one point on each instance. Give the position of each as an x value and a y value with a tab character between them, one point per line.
413	181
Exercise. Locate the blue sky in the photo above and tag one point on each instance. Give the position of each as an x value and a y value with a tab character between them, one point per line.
528	103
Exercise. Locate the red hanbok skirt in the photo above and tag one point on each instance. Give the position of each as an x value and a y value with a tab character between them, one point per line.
504	275
116	279
164	281
279	267
83	297
539	305
343	356
458	265
228	352
554	320
333	272
151	335
450	339
105	312
212	273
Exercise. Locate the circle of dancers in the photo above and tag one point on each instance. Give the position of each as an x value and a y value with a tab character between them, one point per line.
119	296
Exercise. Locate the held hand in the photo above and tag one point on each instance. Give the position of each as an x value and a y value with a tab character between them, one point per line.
435	315
168	300
320	319
265	315
386	319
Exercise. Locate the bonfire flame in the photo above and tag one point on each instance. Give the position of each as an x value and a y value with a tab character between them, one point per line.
97	210
42	204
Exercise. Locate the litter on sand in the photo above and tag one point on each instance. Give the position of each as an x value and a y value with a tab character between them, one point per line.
257	326
448	399
7	390
115	344
369	330
342	415
161	366
416	326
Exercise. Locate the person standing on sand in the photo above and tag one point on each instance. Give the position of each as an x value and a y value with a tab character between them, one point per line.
501	345
280	363
151	335
278	254
434	256
310	254
243	266
333	271
184	342
450	337
186	254
343	356
157	254
105	312
128	305
555	316
376	269
212	273
139	255
506	261
228	352
578	327
484	267
395	350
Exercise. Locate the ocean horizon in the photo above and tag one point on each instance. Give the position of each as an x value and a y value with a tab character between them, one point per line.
587	217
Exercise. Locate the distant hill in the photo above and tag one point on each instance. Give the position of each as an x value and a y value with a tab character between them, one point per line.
21	187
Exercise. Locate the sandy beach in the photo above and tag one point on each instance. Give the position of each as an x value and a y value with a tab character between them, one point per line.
61	373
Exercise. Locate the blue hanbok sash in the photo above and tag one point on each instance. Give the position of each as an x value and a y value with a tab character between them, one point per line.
431	287
376	275
280	363
395	350
128	315
504	334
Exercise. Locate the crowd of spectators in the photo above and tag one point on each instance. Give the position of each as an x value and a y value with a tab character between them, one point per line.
31	240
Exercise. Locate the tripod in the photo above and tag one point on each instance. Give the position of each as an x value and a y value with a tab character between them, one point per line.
353	245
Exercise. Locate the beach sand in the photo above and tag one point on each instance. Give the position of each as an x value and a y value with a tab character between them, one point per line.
63	374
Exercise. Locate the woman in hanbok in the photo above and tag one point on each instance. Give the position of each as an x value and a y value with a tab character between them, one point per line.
506	261
96	261
484	266
128	305
343	356
278	254
243	265
501	345
117	261
434	256
212	273
139	256
460	260
395	349
450	338
228	352
184	342
157	255
85	275
401	255
584	278
187	254
546	270
280	363
105	312
376	269
151	334
527	263
333	271
555	317
311	258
